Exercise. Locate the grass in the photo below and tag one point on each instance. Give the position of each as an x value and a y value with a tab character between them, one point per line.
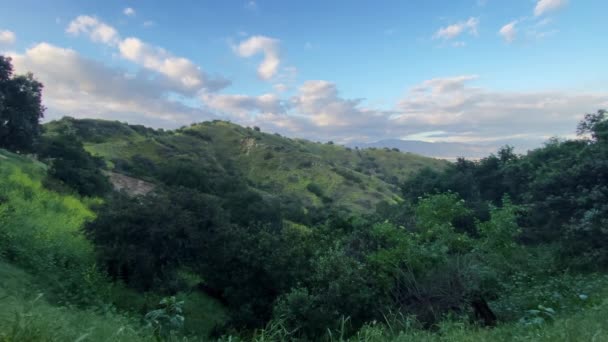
588	325
275	165
26	315
50	286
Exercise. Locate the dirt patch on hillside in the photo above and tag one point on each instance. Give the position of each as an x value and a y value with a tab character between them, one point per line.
247	144
130	185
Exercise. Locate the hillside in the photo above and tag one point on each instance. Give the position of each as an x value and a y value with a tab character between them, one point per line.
46	261
313	173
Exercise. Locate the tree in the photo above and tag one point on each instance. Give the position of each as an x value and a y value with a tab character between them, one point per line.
20	108
595	124
72	165
143	240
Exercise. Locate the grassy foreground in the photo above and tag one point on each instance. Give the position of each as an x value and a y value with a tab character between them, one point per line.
25	315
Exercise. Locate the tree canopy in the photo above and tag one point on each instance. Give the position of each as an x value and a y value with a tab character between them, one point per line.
21	108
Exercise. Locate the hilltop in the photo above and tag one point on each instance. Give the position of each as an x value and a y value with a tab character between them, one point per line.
313	173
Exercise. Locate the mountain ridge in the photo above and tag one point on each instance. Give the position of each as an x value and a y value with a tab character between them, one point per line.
271	164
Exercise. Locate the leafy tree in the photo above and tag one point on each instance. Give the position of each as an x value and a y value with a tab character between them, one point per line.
72	165
20	108
595	124
251	266
143	240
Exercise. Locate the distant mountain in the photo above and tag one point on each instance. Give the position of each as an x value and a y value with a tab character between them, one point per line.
449	150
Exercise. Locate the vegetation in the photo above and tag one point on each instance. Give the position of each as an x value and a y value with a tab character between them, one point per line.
20	108
252	236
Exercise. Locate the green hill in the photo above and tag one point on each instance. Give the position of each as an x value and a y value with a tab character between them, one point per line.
313	173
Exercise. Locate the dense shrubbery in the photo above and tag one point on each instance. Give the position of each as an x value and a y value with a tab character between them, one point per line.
74	167
144	240
560	187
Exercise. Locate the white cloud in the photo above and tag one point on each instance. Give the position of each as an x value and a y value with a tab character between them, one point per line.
320	102
261	44
544	6
95	29
129	12
455	30
251	5
149	23
186	75
7	37
179	69
508	32
453	106
244	107
81	87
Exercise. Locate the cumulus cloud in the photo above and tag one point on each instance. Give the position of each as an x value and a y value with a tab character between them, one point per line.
454	106
186	75
81	87
269	47
508	32
544	6
455	30
463	111
244	107
7	37
179	69
129	12
95	29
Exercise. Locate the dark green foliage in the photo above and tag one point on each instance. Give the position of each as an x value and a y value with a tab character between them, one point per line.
73	166
247	206
315	189
185	173
561	186
253	265
20	109
143	240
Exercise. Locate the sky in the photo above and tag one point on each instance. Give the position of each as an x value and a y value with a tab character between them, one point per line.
475	71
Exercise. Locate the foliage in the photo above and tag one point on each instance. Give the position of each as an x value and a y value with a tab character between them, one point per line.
217	155
167	319
39	230
20	108
560	189
143	240
73	166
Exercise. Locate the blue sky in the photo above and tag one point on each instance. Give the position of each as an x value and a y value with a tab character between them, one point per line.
478	71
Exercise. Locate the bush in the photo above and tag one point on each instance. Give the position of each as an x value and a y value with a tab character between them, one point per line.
40	231
144	240
73	166
315	189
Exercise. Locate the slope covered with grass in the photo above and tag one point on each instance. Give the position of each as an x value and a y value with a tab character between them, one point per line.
274	165
51	288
